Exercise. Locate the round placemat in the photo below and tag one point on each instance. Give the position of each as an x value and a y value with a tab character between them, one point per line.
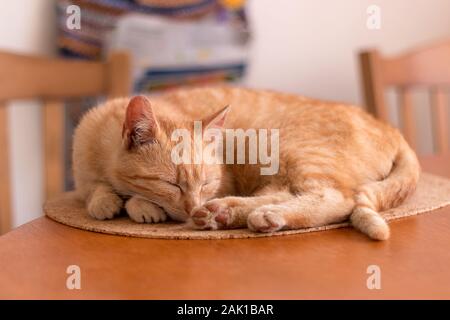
432	193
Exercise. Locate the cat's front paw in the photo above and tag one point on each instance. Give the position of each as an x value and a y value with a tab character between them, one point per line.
265	220
103	206
141	210
212	215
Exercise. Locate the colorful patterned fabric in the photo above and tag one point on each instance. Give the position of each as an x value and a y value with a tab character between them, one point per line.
100	19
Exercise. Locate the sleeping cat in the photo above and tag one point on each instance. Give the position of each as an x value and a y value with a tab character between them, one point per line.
335	163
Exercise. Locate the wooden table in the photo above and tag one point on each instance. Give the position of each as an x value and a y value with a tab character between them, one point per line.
414	263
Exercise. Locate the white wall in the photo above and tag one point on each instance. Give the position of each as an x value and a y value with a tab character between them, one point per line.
310	47
26	26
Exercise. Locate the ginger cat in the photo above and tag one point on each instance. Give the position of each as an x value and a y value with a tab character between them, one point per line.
335	163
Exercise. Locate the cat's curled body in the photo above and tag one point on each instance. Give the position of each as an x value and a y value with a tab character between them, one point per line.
335	163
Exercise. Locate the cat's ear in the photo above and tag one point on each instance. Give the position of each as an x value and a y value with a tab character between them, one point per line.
217	119
140	125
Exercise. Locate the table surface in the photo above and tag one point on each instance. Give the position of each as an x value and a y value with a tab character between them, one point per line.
414	263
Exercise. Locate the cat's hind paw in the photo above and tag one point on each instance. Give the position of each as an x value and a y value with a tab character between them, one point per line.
143	211
213	215
265	220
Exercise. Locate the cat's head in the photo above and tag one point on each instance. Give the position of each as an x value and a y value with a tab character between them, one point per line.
145	164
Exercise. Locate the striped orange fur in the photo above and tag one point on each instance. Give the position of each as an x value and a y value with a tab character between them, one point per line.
336	162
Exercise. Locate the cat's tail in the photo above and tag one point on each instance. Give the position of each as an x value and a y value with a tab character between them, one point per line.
374	197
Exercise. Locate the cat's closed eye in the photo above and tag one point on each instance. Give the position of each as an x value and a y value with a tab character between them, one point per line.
210	183
173	184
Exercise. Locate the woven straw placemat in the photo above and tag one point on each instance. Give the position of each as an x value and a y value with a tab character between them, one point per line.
432	193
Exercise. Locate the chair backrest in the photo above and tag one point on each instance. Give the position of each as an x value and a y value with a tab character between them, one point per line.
427	67
52	80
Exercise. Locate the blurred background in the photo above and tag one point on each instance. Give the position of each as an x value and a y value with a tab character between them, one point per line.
304	47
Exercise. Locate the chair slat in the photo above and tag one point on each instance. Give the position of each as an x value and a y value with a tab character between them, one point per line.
118	75
24	77
425	66
5	181
408	117
439	111
373	84
53	119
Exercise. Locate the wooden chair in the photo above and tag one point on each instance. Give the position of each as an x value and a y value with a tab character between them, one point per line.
52	80
428	67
